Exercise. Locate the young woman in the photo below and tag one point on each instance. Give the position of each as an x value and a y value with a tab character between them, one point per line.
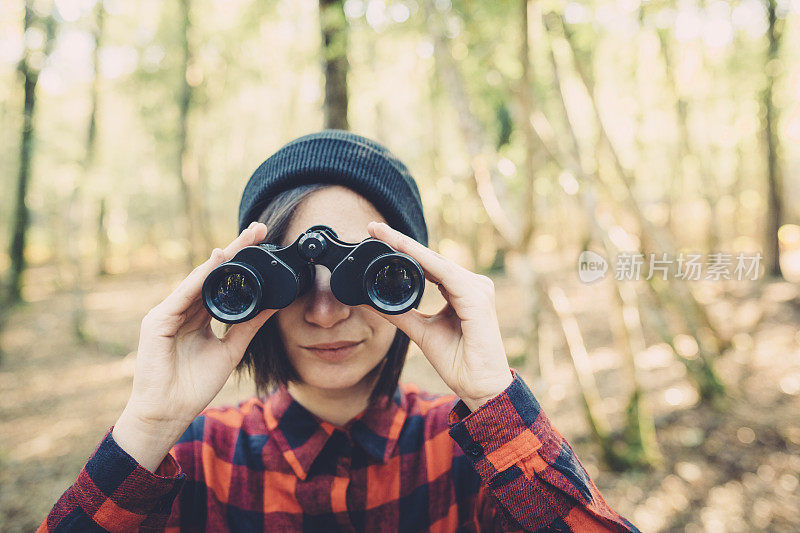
331	442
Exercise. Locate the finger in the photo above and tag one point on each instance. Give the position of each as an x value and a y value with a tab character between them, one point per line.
188	290
442	290
438	268
412	322
254	234
197	317
239	335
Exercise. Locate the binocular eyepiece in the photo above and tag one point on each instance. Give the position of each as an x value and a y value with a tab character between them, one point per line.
266	276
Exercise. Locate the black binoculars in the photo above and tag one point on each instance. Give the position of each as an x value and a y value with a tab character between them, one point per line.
266	276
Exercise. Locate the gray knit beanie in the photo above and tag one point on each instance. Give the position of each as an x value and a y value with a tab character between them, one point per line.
341	158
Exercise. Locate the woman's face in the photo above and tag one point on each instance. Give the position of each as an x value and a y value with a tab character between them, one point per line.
317	317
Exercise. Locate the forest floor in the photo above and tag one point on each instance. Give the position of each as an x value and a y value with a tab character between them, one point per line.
730	470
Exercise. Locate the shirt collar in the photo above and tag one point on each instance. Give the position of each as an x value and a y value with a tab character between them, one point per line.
301	435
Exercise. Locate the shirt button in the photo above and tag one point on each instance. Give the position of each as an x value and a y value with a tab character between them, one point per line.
475	450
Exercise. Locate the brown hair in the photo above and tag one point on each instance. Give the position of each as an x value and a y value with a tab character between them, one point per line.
265	358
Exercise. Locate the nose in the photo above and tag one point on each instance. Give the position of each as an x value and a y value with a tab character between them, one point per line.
322	307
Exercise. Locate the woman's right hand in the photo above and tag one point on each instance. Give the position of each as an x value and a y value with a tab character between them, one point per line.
181	364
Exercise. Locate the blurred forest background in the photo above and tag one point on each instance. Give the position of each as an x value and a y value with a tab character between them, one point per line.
537	129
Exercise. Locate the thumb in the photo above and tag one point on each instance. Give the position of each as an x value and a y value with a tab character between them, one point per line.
411	322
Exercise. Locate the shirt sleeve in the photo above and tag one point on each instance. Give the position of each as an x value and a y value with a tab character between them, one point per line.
529	468
115	493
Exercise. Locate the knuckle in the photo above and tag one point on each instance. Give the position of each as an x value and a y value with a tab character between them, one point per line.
246	236
488	284
486	281
403	241
158	322
151	317
183	291
439	256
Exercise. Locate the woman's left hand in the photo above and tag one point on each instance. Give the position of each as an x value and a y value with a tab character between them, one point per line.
462	341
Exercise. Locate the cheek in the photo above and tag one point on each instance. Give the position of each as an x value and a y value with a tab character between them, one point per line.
383	332
285	318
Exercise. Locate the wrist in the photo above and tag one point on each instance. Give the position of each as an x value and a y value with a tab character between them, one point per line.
152	413
475	402
147	441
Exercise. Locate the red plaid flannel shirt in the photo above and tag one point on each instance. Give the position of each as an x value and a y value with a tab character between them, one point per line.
419	462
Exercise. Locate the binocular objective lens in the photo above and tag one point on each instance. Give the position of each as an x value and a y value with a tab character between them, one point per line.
393	284
234	294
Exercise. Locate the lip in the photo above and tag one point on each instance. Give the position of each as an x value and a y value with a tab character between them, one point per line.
334	351
333	345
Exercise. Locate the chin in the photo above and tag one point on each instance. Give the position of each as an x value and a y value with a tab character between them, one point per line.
334	376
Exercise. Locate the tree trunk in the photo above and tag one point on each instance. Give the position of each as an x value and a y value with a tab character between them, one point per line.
76	202
380	124
526	107
641	447
700	370
708	185
473	135
19	224
771	119
599	427
652	238
21	215
102	237
334	54
187	167
531	313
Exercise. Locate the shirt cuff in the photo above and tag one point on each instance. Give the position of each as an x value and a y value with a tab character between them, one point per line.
119	494
503	432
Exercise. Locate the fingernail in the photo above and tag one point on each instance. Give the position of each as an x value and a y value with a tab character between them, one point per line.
251	224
